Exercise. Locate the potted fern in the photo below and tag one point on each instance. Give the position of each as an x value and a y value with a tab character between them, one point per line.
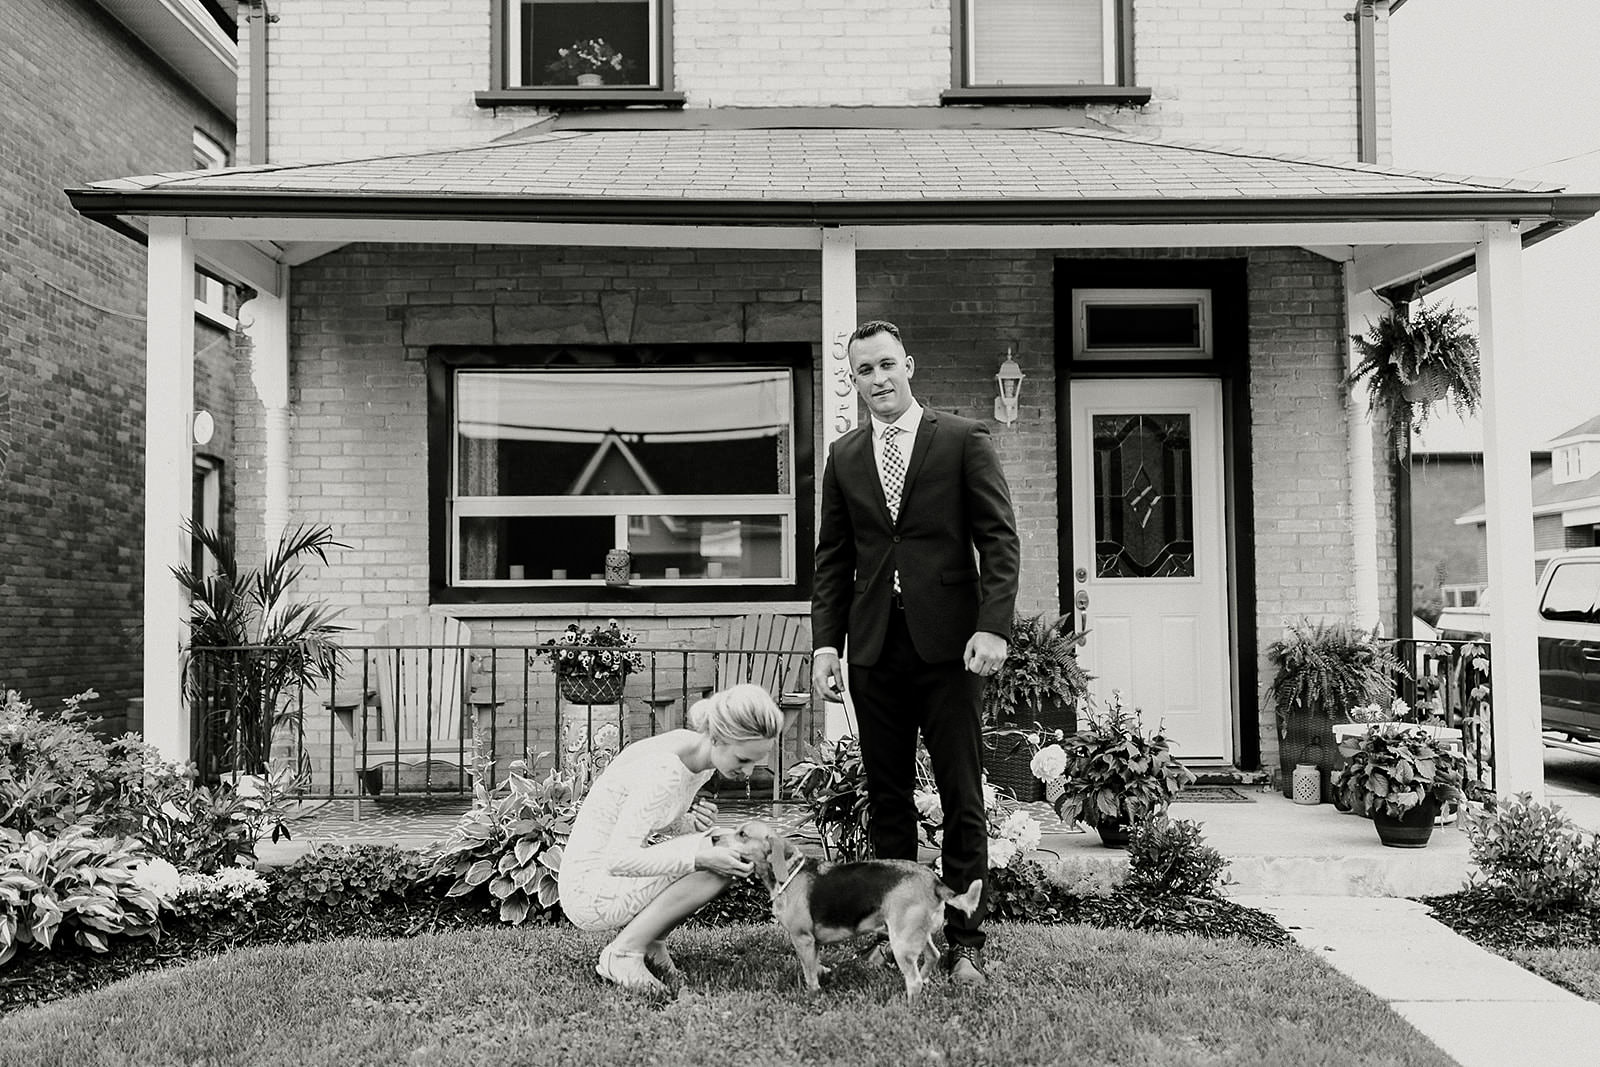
1035	692
1412	360
1322	670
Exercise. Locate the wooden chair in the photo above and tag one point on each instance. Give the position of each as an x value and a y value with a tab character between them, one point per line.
772	651
420	711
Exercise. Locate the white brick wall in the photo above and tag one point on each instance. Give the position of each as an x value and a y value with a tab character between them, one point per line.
352	78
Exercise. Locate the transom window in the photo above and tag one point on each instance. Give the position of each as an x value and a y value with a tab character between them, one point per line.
1019	43
688	468
583	43
1141	324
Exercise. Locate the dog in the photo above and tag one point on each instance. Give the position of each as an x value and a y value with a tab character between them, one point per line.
903	899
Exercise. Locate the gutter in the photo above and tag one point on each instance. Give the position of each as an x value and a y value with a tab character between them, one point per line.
1561	209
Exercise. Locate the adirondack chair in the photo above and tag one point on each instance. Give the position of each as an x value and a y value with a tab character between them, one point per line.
420	712
773	651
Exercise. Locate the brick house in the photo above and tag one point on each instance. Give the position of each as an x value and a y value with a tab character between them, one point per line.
1171	214
90	88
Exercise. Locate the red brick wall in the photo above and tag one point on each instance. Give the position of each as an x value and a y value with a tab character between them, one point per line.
80	100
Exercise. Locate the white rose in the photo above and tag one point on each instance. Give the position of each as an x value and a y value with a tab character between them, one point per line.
1049	763
1001	852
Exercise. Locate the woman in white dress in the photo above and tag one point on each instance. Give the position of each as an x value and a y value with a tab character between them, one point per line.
640	856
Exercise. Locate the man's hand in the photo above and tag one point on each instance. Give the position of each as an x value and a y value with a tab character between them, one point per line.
827	677
986	653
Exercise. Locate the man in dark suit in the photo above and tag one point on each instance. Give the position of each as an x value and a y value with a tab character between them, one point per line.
917	562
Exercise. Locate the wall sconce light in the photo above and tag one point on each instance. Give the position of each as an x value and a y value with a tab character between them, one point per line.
1009	378
203	427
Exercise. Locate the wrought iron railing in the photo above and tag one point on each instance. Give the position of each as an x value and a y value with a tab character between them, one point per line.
428	718
1449	684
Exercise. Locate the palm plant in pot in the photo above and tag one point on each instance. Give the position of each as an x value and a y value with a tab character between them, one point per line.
1401	776
1110	775
1034	693
1322	670
1412	360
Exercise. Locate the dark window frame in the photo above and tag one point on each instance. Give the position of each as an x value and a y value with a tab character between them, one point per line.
444	360
502	93
1123	91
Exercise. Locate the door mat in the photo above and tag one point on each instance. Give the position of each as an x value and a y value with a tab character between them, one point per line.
1212	794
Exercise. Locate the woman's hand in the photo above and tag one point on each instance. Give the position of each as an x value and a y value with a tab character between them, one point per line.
702	815
720	859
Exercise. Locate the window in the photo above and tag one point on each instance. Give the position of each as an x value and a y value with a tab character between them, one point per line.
209	294
1141	324
1043	50
1573	593
683	456
612	42
205	511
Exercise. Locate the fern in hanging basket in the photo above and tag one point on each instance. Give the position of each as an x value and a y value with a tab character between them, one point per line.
1412	361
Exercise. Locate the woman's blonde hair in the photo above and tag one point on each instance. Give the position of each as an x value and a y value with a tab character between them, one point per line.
743	712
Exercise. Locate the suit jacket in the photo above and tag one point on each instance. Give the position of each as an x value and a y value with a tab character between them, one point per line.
954	543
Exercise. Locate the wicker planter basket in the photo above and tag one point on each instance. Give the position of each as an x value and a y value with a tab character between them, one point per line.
582	689
1007	760
1308	738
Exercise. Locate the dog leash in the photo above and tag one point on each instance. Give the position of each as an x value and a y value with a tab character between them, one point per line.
778	892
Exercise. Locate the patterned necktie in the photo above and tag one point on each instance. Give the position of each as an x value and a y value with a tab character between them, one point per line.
894	470
894	480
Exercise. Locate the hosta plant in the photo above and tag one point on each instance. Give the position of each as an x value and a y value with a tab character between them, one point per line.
72	885
1396	767
509	845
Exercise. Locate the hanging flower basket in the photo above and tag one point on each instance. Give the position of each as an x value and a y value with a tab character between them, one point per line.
1412	360
582	689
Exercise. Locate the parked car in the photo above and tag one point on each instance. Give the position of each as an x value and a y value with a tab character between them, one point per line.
1569	642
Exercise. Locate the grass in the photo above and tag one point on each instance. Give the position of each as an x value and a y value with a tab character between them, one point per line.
1058	994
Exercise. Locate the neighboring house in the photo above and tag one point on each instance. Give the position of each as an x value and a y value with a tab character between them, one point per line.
89	89
1566	503
1173	213
1448	558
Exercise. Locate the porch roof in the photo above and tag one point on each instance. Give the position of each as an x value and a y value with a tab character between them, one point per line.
834	176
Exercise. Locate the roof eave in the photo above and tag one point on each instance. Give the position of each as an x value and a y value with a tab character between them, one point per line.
1556	210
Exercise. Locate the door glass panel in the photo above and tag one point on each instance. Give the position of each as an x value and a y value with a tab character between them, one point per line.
1143	496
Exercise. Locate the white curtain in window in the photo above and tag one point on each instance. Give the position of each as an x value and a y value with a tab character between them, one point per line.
1037	42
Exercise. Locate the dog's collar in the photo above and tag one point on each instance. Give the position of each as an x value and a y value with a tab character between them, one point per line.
778	891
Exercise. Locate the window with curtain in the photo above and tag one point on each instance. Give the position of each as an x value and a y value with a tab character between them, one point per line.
690	469
1014	43
609	43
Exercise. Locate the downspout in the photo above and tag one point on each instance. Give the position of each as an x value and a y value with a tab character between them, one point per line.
258	78
1366	20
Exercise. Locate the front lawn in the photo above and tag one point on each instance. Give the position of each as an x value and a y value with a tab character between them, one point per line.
1058	994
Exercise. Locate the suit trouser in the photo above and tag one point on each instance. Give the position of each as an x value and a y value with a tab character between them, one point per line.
895	698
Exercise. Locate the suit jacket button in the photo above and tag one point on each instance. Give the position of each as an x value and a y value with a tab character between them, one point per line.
897	539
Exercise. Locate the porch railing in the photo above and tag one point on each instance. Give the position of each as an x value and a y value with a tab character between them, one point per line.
422	719
1449	684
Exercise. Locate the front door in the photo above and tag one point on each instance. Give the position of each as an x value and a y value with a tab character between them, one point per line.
1149	556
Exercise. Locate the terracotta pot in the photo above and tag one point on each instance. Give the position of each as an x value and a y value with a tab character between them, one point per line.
1411	830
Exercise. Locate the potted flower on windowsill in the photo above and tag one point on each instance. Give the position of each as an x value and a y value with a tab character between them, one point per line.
592	663
588	63
1401	776
1110	775
1412	360
1034	696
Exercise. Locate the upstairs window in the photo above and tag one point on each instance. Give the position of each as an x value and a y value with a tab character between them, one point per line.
1041	42
210	299
570	44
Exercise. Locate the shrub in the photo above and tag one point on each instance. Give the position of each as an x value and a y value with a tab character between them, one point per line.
1024	892
832	785
509	844
359	878
209	829
1170	856
74	884
1531	855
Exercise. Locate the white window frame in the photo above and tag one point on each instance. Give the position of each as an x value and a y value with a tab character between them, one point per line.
627	510
1085	299
1109	47
208	472
513	43
210	295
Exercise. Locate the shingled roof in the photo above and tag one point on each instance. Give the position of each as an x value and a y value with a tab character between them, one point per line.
826	174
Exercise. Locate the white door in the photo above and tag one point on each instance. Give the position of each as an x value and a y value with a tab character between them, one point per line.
1149	560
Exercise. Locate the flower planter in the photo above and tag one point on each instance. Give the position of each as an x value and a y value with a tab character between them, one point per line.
1411	830
1114	834
582	689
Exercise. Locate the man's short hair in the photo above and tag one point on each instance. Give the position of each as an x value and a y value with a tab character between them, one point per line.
874	326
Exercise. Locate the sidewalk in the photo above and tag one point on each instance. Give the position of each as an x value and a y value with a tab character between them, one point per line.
1480	1009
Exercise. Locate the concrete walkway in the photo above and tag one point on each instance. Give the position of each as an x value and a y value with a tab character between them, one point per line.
1480	1009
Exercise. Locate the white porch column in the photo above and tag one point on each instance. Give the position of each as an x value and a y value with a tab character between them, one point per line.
265	320
838	388
1361	307
168	479
1508	421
